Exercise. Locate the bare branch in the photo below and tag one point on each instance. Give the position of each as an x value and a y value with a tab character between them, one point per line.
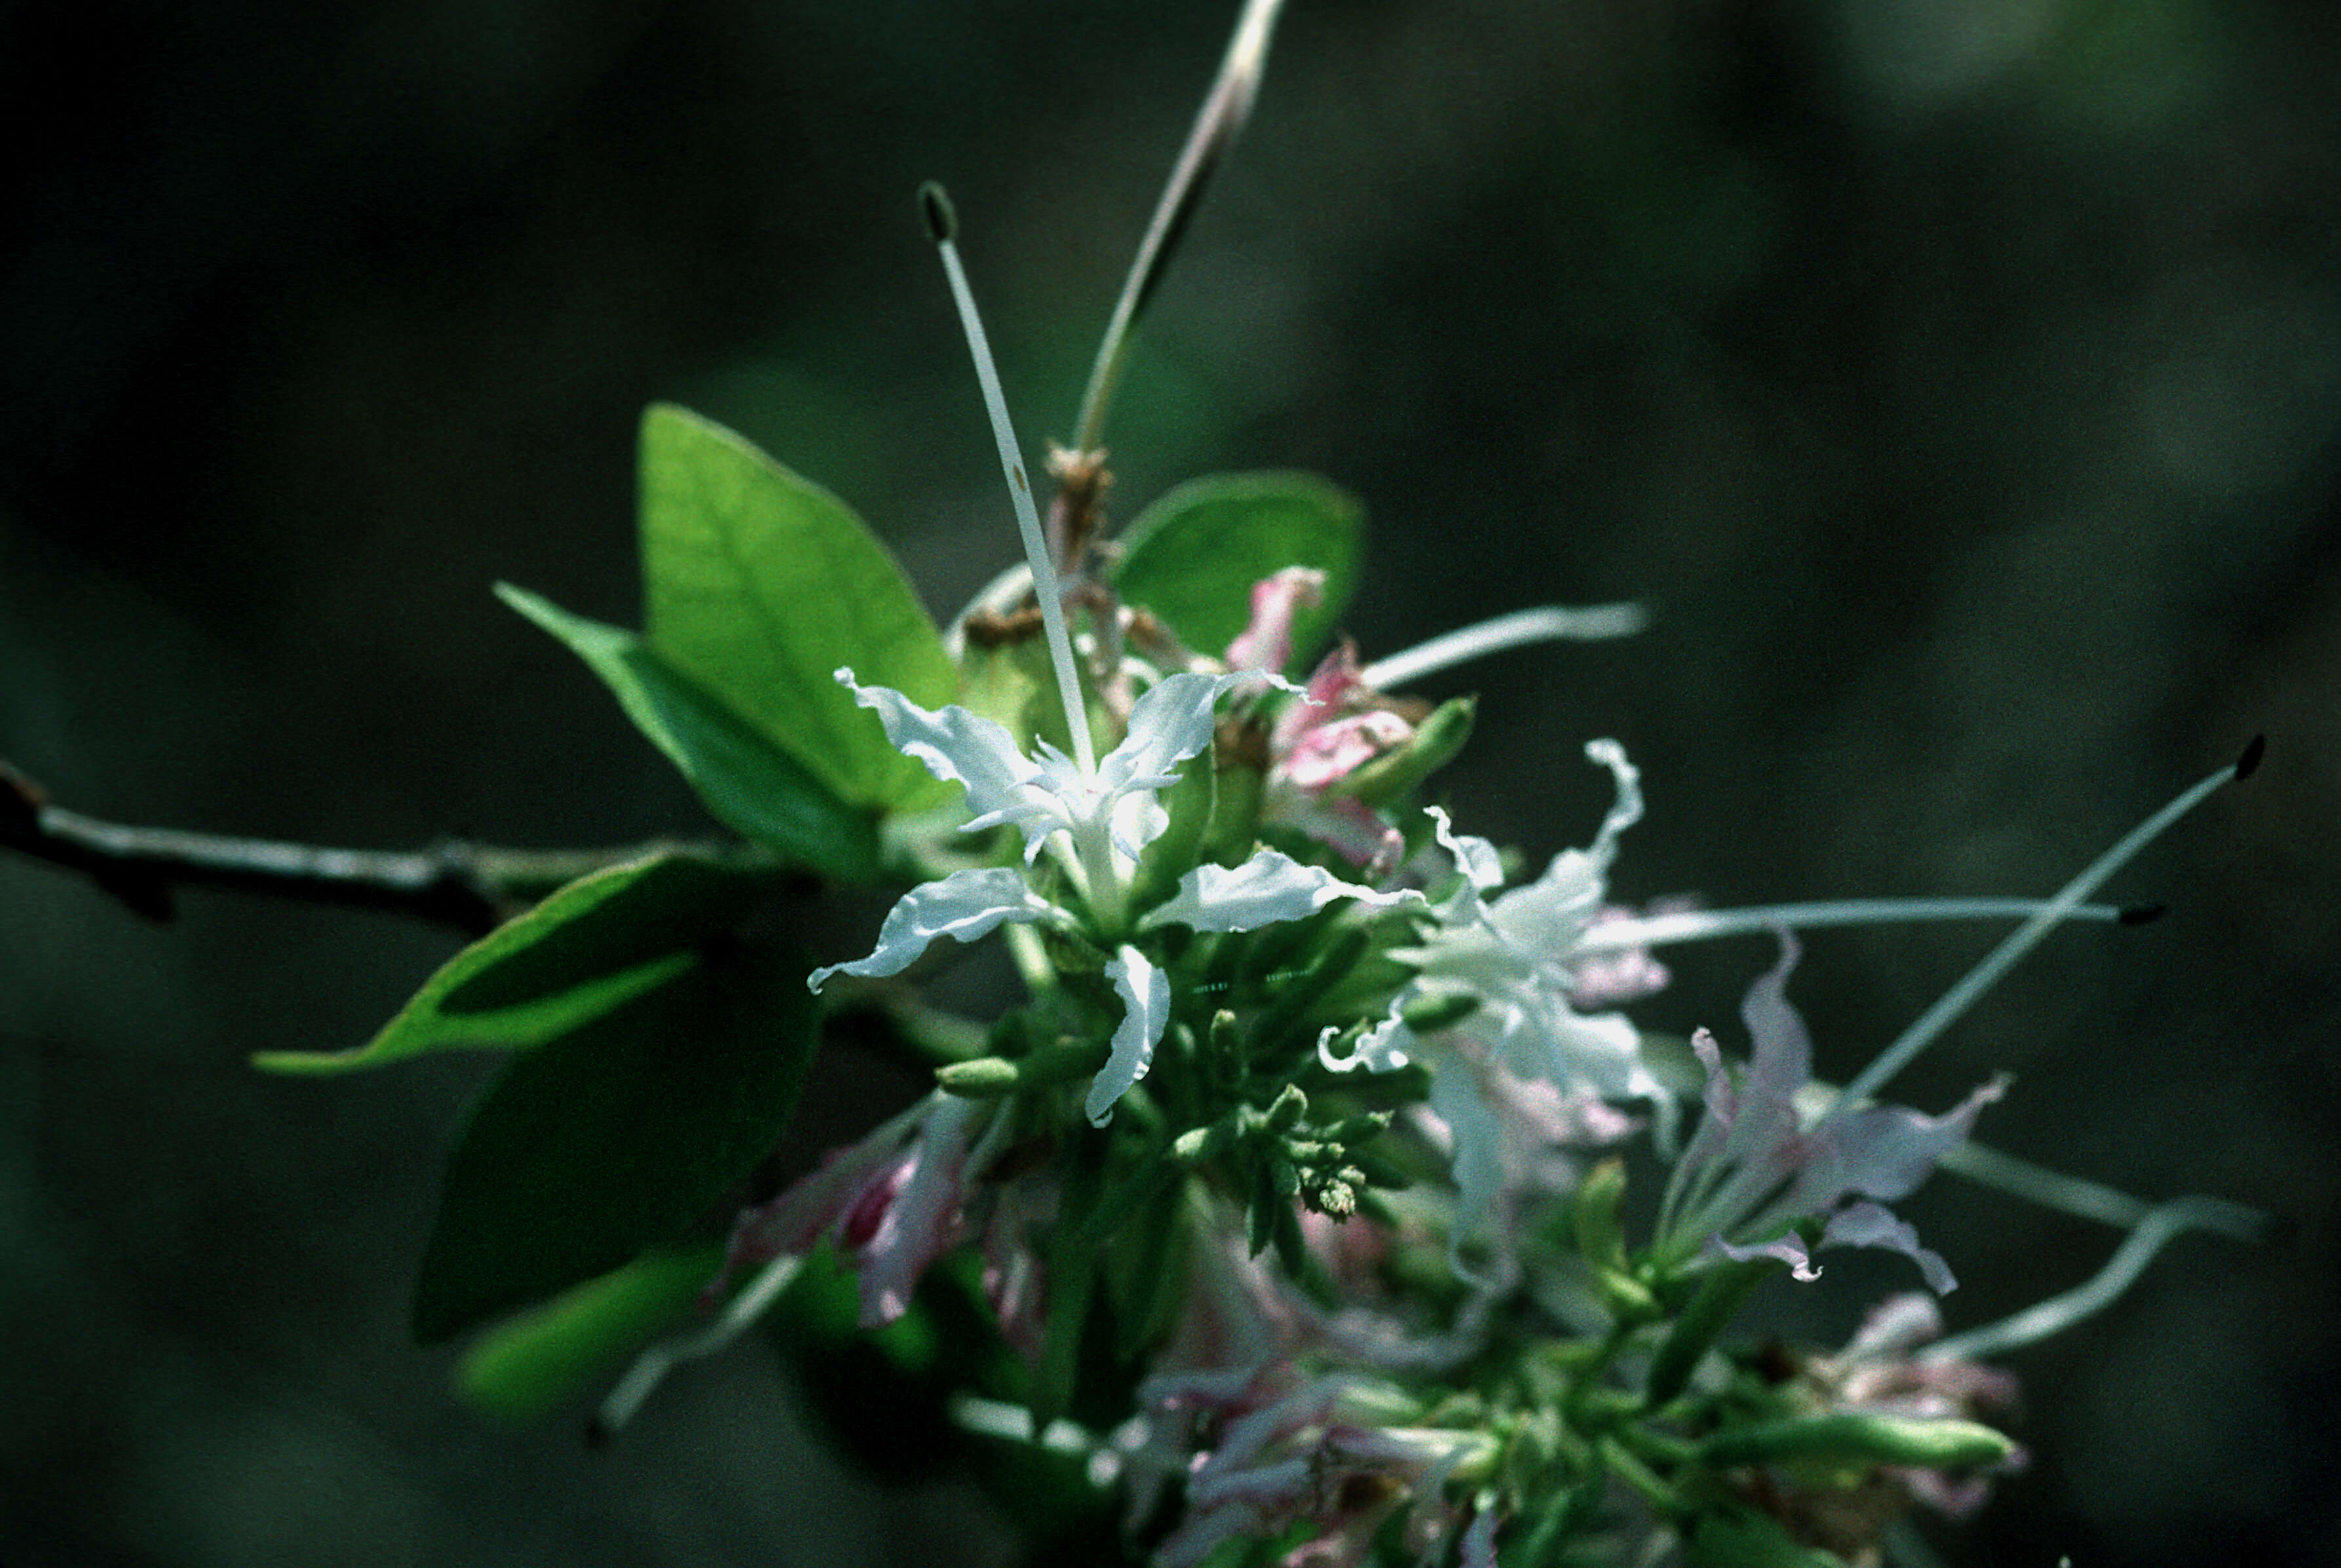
471	886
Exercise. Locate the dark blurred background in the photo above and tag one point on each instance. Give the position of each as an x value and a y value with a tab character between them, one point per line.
1958	380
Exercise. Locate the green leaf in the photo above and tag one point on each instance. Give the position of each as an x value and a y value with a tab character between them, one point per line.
760	585
1193	556
526	1368
593	946
617	1136
750	784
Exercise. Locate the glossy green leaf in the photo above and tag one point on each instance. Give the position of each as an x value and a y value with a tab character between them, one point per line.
760	585
748	784
530	1366
591	947
617	1136
1193	556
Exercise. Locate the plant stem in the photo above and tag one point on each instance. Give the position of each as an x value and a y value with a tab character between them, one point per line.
473	887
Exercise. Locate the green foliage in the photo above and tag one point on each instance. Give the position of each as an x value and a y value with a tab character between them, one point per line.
618	1134
591	947
528	1367
751	786
1193	555
760	585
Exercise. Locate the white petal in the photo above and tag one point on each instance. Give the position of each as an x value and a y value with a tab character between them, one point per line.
1475	857
1387	1045
964	905
1172	723
958	746
1270	887
1477	1135
1146	998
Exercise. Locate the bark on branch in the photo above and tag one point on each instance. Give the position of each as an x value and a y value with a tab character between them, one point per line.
472	887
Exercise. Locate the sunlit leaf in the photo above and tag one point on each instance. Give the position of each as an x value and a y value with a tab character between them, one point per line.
748	784
759	586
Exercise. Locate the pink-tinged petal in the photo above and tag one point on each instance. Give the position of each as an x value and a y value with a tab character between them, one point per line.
1721	1098
1266	890
1479	1548
1610	979
1333	750
1781	1059
1866	1224
1145	994
958	747
1789	1249
964	905
1895	1327
923	1220
1266	642
1884	1152
1329	688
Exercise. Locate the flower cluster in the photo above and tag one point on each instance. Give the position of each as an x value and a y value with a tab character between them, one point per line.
1294	1179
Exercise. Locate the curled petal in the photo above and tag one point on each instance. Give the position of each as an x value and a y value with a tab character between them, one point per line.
1172	723
1145	992
1789	1249
960	746
1884	1151
964	905
1269	888
1266	643
1475	857
1866	1224
923	1220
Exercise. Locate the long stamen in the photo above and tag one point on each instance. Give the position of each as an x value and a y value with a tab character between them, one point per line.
1545	623
942	223
651	1367
1222	115
2082	1198
1931	1024
2059	1313
1704	924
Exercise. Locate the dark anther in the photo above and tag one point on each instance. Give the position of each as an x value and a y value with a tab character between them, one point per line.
2142	914
2248	764
942	223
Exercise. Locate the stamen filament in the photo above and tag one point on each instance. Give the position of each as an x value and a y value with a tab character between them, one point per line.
1955	1002
2079	1196
1545	623
2059	1313
1704	924
944	225
1223	114
651	1367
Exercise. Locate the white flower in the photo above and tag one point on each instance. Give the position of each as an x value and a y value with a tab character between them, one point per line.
1097	824
1513	959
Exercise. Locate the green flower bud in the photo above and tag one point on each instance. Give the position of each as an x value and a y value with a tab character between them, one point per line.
1429	1014
1434	745
1600	1238
996	1077
1859	1437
